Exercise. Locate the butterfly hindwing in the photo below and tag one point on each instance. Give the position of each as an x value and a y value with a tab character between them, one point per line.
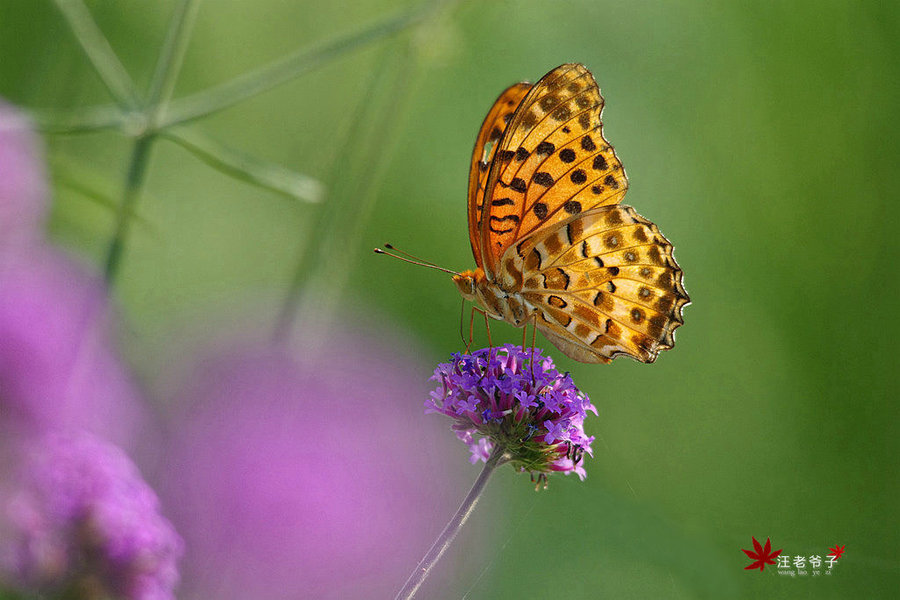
605	283
486	145
552	163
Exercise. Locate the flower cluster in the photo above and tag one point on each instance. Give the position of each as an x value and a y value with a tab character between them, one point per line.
84	524
515	400
76	518
269	513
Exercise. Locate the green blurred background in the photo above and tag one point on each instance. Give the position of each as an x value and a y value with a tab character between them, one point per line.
761	137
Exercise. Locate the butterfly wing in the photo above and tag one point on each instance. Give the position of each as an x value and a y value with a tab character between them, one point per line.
605	284
552	162
486	144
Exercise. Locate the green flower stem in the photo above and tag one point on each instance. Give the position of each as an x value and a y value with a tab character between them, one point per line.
167	68
171	57
247	168
286	69
87	119
323	262
99	52
443	541
134	180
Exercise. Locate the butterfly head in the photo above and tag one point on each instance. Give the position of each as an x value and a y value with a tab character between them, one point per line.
468	281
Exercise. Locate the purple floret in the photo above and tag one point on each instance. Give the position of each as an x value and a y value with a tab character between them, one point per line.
82	519
500	396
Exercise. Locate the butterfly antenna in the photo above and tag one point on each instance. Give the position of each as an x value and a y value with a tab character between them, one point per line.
408	255
411	259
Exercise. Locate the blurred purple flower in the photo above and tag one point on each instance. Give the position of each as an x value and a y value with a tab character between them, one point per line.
307	479
82	523
526	406
22	181
57	367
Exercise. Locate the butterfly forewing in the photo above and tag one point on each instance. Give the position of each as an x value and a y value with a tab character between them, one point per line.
605	282
552	163
486	145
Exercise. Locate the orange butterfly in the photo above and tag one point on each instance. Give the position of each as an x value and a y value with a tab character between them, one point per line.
551	242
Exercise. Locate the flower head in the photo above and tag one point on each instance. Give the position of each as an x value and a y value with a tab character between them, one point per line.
83	523
514	398
290	465
58	366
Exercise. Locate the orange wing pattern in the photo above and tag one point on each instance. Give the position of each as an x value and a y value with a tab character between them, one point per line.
552	162
486	144
605	283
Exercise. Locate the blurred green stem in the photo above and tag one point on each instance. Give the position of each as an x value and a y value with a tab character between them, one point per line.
99	52
325	260
137	167
459	518
79	120
283	70
171	58
247	168
209	101
169	63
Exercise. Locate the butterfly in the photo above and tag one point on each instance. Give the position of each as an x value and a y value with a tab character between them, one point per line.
552	244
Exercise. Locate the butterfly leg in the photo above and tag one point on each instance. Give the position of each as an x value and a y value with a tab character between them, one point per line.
462	335
487	327
472	333
533	319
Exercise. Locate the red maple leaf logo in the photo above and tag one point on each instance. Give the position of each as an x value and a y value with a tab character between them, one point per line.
837	551
762	556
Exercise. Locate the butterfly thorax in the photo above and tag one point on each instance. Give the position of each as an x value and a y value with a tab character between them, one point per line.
497	303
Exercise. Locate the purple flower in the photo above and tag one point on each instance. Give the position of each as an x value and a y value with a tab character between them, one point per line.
58	369
81	521
526	407
306	476
57	366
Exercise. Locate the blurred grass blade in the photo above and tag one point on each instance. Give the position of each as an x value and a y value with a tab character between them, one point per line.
99	52
323	268
247	168
171	56
285	69
79	120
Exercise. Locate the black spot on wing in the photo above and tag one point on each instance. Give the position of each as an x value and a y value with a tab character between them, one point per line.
573	207
518	184
543	178
545	148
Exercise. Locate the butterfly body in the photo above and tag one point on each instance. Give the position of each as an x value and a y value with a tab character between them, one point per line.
498	303
552	244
